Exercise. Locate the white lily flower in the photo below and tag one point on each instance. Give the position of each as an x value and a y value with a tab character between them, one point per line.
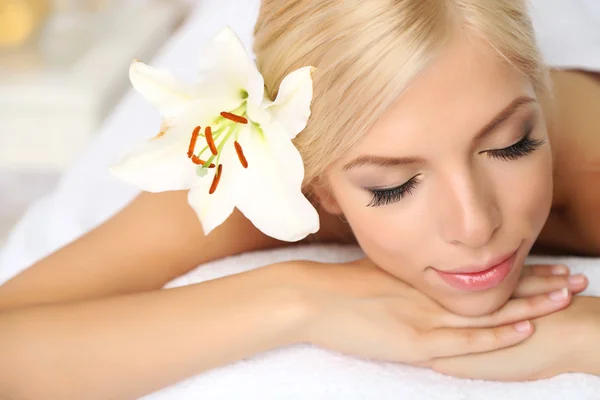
227	143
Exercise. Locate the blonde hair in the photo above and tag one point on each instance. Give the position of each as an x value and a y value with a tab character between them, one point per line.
367	51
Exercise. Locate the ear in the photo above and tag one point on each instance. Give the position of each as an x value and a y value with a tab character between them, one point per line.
326	199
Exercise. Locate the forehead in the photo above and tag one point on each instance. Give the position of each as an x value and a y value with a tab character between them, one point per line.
454	97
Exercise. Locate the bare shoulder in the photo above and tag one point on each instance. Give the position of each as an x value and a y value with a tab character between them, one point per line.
575	137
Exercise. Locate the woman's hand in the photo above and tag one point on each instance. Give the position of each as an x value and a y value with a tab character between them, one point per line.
362	310
565	341
547	278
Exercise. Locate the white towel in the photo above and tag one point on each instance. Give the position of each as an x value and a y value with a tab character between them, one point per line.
87	195
309	373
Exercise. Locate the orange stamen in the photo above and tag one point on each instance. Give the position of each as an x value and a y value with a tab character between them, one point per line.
210	140
159	135
234	118
195	134
198	161
216	179
240	153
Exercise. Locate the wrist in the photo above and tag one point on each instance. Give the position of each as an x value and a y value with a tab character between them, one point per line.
291	303
591	353
584	334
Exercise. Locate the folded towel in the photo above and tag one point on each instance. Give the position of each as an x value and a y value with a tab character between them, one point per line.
310	373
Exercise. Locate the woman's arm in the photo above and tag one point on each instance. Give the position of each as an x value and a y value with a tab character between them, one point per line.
588	355
150	242
128	346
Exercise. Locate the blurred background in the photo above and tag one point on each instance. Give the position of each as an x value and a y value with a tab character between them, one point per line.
63	68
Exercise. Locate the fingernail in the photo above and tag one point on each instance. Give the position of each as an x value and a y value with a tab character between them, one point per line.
578	279
560	270
523	327
559	295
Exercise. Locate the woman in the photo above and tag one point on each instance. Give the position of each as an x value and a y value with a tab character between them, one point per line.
403	93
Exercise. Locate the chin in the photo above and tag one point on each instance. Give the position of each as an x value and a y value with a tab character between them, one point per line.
476	304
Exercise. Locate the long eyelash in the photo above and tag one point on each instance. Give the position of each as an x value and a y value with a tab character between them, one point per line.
525	146
382	197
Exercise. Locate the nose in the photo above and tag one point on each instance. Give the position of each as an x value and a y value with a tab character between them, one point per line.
470	215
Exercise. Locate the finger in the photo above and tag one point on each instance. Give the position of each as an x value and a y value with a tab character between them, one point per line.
546	269
536	285
515	310
450	342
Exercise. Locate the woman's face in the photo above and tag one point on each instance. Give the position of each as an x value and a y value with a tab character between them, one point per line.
451	187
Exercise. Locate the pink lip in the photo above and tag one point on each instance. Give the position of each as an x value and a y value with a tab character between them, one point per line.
469	269
477	278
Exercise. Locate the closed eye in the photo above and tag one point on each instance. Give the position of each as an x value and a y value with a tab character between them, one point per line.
523	147
382	197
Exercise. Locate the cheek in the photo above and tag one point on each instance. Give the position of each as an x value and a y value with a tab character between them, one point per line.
382	231
390	236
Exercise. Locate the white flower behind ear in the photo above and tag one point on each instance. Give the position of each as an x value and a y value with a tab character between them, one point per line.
225	142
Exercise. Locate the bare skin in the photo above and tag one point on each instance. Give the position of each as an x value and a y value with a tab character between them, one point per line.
164	240
573	226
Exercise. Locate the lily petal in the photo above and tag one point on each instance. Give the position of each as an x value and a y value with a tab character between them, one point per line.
159	87
260	114
161	164
157	165
273	199
227	69
214	209
291	109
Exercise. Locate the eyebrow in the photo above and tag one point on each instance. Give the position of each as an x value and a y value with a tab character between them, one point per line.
490	127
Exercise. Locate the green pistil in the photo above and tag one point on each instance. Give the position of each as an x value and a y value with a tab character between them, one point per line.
227	127
231	131
216	136
201	171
